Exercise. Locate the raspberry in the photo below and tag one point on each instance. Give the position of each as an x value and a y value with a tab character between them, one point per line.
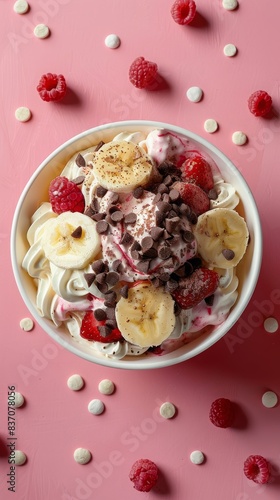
222	413
260	103
142	73
144	474
183	11
65	196
52	87
256	468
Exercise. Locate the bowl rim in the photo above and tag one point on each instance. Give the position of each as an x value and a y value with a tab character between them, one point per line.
140	363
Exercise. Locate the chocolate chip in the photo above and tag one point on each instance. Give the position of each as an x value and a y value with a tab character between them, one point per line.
100	314
112	278
162	188
111	313
156	233
174	195
180	272
157	198
111	323
126	239
164	207
135	255
138	192
102	287
101	278
160	216
89	212
164	276
99	145
80	161
115	198
77	233
135	246
156	282
210	300
188	269
143	266
192	217
212	195
95	204
151	253
104	330
98	216
171	285
98	266
117	265
168	180
102	226
79	180
147	243
172	225
110	298
167	167
188	236
89	277
185	209
117	216
124	291
101	191
164	252
196	263
228	254
130	218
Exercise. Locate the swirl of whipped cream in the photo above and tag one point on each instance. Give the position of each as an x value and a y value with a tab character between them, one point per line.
227	196
135	137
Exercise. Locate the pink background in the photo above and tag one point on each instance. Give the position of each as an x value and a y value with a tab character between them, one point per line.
54	420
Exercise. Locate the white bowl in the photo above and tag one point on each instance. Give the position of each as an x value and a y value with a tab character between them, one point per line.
248	270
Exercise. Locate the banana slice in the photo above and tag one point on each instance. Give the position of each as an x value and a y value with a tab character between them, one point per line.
146	318
222	237
122	166
70	240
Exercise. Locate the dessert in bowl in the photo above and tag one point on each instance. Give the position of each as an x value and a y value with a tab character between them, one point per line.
136	245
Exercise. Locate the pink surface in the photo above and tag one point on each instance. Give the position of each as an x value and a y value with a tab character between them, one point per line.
54	420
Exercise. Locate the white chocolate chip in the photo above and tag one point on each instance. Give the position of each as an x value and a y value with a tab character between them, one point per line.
106	387
269	399
271	325
75	382
239	138
167	410
23	114
112	41
20	457
19	399
197	457
82	456
21	6
230	4
230	50
96	407
26	324
210	125
194	94
41	31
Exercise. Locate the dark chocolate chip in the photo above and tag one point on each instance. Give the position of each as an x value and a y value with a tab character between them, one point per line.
143	266
98	216
89	212
212	195
156	282
171	285
115	198
157	198
101	191
79	180
89	277
228	254
102	226
210	300
135	255
95	204
196	262
147	243
174	195
172	225
151	253
80	161
192	217
184	209
99	145
101	278
164	207
130	218
97	266
117	216
112	278
117	265
167	167
188	236
162	188
111	313
188	269
164	252
126	239
135	245
110	298
77	233
100	314
124	291
159	218
164	276
138	192
168	180
180	272
111	323
156	233
104	330
102	287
